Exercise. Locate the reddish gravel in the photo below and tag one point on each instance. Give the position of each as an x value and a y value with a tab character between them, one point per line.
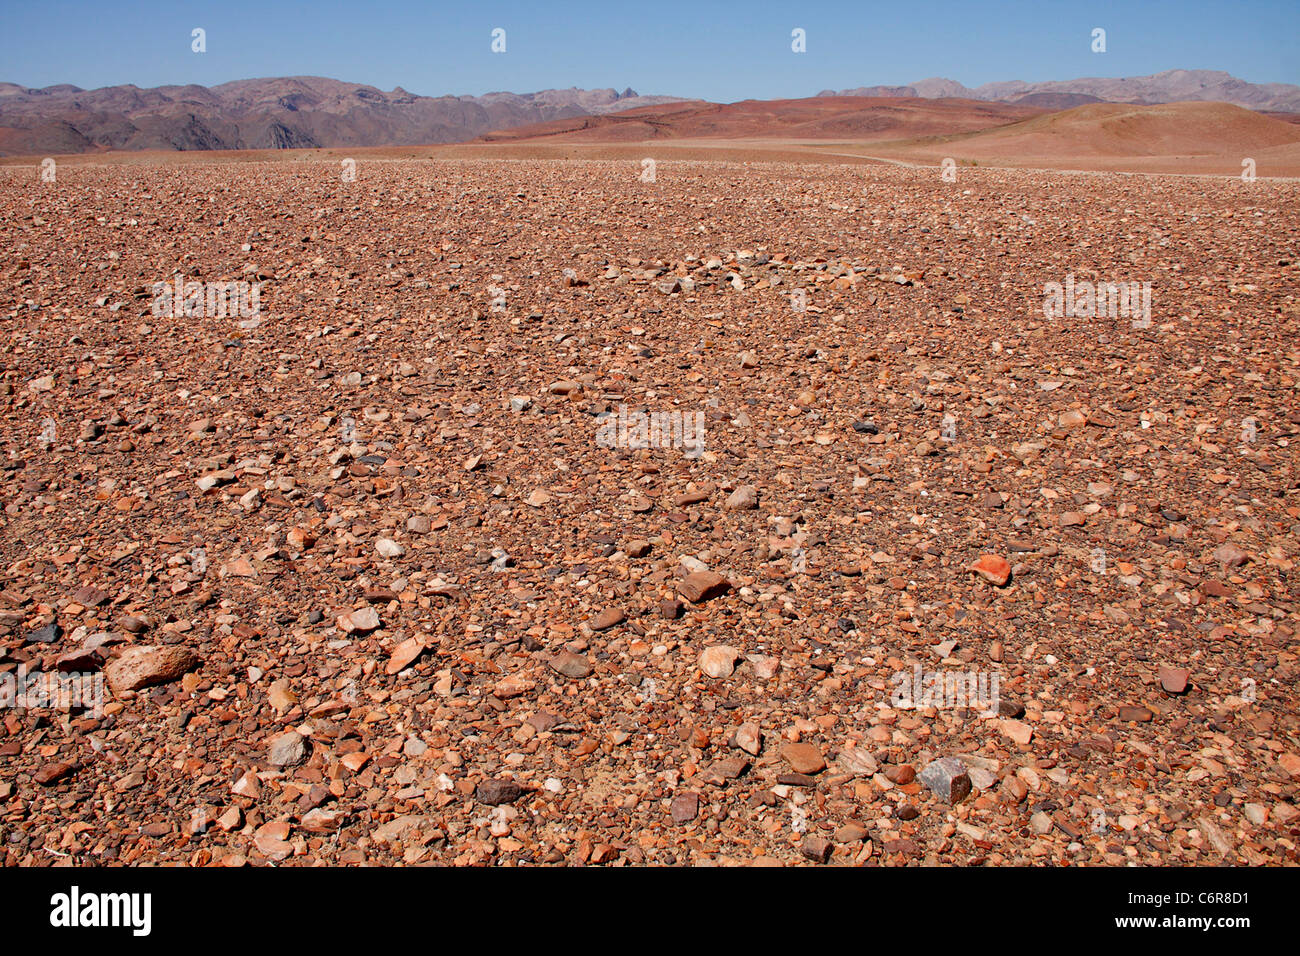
410	597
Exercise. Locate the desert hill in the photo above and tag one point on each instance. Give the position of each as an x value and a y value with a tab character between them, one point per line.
816	118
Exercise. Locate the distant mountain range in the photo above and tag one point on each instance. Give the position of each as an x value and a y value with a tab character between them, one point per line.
308	111
1172	86
277	113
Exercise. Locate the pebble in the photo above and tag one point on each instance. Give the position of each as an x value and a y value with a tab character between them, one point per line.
992	568
804	758
287	750
901	774
494	792
1134	713
749	738
1173	680
851	833
1017	730
857	761
1230	556
573	666
947	779
361	621
719	660
685	807
608	618
744	498
702	586
323	820
980	778
388	548
271	840
816	848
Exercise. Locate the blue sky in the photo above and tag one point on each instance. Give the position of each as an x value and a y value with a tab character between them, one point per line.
718	51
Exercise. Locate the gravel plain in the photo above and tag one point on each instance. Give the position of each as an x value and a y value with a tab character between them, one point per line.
365	581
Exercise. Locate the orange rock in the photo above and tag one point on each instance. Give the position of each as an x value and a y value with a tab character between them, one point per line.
239	568
404	654
272	840
300	539
992	568
143	666
804	758
355	761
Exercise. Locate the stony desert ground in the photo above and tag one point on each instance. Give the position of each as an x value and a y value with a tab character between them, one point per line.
369	581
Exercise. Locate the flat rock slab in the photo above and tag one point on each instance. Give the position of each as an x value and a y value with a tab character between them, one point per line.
728	768
44	635
573	666
404	654
857	761
139	667
685	807
1173	680
804	758
52	773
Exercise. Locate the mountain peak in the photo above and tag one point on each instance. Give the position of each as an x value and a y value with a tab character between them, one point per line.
277	113
1170	86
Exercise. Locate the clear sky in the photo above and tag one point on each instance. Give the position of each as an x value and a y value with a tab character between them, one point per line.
723	51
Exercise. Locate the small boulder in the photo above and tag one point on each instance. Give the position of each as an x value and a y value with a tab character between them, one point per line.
146	666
